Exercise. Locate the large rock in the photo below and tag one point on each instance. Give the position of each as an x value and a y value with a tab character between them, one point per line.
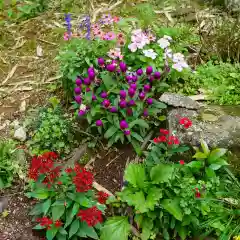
177	100
212	124
20	134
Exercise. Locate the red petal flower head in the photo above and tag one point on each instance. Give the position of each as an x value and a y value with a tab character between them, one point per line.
162	139
58	223
164	131
186	122
83	179
182	162
91	216
45	222
173	140
68	170
102	197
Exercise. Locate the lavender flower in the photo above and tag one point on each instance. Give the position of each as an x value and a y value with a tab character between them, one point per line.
77	90
68	23
127	132
122	94
86	25
99	123
123	124
103	95
113	109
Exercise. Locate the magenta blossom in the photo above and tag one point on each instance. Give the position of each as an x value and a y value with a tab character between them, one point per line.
113	109
101	61
94	97
151	78
127	132
149	101
91	75
122	94
129	112
78	99
145	112
81	113
123	66
129	78
139	72
111	67
131	103
141	95
87	81
77	90
149	70
123	104
78	82
90	70
88	89
157	75
123	124
99	123
131	92
146	88
106	103
133	86
134	78
104	95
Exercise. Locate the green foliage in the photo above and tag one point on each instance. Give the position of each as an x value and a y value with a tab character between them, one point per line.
171	199
220	82
75	57
11	163
53	132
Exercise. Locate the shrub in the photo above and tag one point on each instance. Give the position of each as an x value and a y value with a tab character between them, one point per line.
166	199
10	165
68	207
53	132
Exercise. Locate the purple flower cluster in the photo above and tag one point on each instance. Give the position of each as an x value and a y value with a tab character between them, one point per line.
86	25
68	23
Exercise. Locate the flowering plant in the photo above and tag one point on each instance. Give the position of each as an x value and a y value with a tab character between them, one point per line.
68	206
116	102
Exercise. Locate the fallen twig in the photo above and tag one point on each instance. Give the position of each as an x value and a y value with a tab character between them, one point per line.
10	74
114	159
100	188
87	166
45	41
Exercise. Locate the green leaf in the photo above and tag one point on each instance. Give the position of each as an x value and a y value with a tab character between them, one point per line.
38	227
136	147
57	212
173	207
51	233
137	200
46	205
195	164
135	174
153	197
137	136
210	173
40	194
37	209
63	231
147	227
109	133
61	236
74	228
200	155
205	147
139	122
116	228
107	80
75	209
166	234
179	149
161	173
215	154
86	231
182	231
158	104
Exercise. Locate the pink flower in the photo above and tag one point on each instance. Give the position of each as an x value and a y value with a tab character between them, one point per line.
181	162
109	36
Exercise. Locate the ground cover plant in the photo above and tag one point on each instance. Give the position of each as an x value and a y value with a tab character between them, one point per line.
68	207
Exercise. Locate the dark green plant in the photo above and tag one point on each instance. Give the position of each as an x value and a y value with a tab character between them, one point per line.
76	56
53	132
10	163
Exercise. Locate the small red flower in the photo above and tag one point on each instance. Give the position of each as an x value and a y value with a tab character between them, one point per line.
155	140
91	216
162	139
173	140
68	170
186	122
102	197
197	193
182	162
45	222
58	223
164	131
59	183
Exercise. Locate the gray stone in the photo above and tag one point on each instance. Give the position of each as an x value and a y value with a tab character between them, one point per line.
177	100
218	129
20	134
3	204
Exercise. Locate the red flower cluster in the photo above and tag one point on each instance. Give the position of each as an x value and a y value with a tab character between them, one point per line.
45	222
83	179
102	197
197	193
44	164
186	122
91	216
165	138
58	223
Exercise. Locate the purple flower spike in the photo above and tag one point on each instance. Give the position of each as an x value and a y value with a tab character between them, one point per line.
99	123
104	95
87	81
122	94
147	88
81	113
101	61
123	124
123	66
151	78
127	132
94	98
123	104
113	109
78	99
129	112
141	95
131	92
157	75
149	70
77	90
106	103
145	112
78	82
134	78
90	70
139	72
111	67
149	101
91	75
131	103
